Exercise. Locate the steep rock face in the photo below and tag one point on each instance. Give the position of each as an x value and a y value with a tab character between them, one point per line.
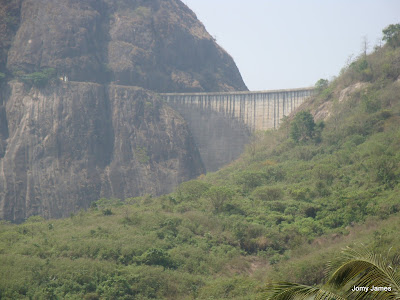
159	45
153	148
9	23
68	144
162	46
66	35
71	144
54	150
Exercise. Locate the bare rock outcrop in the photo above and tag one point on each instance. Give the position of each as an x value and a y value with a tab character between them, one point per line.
73	143
158	45
104	133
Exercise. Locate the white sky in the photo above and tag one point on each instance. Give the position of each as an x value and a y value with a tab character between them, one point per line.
279	44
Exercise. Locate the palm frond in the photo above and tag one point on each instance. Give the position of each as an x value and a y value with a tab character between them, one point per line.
363	268
359	268
289	291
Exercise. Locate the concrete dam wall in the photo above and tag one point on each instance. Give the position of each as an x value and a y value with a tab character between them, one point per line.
222	123
260	110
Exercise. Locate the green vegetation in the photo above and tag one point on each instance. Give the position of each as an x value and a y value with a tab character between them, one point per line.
321	84
137	251
280	212
2	76
303	128
391	35
38	79
141	154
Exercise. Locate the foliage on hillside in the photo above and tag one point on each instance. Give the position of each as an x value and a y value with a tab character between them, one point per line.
37	79
290	202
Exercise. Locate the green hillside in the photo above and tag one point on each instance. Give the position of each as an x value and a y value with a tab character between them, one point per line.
329	177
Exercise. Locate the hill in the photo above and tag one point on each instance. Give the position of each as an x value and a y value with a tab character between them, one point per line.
329	177
79	116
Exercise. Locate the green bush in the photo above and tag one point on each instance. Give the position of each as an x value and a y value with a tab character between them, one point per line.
274	174
362	69
321	84
158	257
142	155
303	128
219	196
391	35
191	190
249	180
107	212
267	193
38	79
387	171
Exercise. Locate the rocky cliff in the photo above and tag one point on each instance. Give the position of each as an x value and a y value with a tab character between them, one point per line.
105	132
159	45
74	143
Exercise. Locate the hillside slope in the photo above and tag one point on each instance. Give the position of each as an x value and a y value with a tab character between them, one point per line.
281	211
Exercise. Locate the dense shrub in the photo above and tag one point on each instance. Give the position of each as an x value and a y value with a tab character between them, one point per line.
303	128
219	196
249	180
267	193
191	190
391	35
157	257
38	79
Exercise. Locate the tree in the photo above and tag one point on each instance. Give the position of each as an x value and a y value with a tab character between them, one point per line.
365	45
218	196
391	35
191	190
302	127
321	84
157	257
358	269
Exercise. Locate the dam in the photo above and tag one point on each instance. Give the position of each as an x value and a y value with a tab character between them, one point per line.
258	110
223	122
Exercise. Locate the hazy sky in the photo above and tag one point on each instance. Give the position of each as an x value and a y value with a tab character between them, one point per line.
293	43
